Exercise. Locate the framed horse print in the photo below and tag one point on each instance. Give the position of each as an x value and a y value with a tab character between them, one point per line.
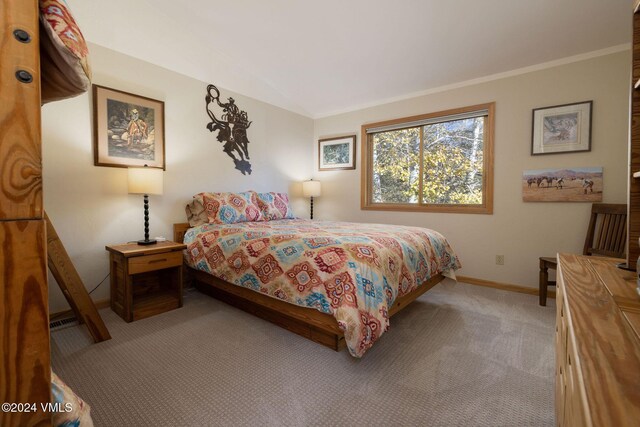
128	129
582	184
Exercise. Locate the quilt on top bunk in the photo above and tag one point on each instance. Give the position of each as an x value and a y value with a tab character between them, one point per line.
349	270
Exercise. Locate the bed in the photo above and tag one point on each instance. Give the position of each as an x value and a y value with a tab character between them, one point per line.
68	409
336	283
42	59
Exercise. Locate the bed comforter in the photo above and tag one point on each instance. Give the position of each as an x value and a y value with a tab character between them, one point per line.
349	270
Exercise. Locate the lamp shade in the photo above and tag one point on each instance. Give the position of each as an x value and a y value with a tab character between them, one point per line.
145	180
311	188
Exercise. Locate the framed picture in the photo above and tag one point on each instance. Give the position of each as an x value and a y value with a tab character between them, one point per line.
128	129
562	129
562	185
337	153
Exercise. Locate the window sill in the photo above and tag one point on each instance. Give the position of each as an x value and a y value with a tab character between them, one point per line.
461	209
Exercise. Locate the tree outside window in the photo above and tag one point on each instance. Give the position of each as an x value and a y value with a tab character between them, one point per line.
435	162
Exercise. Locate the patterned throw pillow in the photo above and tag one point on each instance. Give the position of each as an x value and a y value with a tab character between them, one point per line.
229	208
63	53
274	206
74	411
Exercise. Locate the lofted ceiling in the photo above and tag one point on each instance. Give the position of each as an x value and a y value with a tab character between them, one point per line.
318	58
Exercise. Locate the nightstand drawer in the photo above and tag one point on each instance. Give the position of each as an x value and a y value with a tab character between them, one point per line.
142	264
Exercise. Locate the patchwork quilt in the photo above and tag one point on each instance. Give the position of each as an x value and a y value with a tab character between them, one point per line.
349	270
69	410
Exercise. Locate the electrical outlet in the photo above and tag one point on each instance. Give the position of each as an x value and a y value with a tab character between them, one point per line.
499	259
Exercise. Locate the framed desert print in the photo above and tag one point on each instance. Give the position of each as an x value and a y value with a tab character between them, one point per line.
562	129
563	185
128	129
337	153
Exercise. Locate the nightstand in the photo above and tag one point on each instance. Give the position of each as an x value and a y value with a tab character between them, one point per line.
145	280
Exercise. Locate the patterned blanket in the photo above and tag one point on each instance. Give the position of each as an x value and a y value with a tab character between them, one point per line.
349	270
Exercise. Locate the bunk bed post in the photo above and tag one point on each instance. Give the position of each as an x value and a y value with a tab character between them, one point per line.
25	370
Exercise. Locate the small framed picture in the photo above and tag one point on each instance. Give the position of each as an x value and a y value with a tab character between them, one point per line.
562	129
128	129
337	153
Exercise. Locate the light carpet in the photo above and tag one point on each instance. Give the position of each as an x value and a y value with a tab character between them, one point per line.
460	355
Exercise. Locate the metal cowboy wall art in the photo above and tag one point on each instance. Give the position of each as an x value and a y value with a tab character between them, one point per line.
232	129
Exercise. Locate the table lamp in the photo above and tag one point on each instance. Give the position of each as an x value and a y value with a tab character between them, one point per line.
311	189
145	181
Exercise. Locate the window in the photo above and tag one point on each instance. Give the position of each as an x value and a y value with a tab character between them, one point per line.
438	162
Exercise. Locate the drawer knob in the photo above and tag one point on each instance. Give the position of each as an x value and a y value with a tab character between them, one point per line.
153	261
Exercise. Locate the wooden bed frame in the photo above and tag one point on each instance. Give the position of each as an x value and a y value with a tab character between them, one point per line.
307	322
25	372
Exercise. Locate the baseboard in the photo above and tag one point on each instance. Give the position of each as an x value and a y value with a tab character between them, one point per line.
503	286
466	279
65	314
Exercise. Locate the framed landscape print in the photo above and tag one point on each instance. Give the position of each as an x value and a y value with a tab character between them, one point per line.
128	129
562	185
337	153
562	129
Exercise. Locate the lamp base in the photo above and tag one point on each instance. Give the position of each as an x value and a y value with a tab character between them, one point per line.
147	242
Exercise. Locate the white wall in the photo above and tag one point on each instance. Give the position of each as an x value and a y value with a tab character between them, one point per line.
520	231
89	205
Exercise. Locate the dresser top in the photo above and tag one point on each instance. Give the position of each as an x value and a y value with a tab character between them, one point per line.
603	309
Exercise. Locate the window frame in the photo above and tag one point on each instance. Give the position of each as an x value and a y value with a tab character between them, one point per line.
366	198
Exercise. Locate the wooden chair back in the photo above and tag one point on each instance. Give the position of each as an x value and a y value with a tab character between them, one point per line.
607	233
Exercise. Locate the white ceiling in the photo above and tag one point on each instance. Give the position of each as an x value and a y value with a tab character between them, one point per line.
327	56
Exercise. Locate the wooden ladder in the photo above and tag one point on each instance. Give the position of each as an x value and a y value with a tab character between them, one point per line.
71	285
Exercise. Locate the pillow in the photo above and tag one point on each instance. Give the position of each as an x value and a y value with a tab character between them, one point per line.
229	208
79	412
196	215
64	54
274	206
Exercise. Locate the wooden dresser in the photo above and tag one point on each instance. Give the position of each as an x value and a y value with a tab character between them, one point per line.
597	343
